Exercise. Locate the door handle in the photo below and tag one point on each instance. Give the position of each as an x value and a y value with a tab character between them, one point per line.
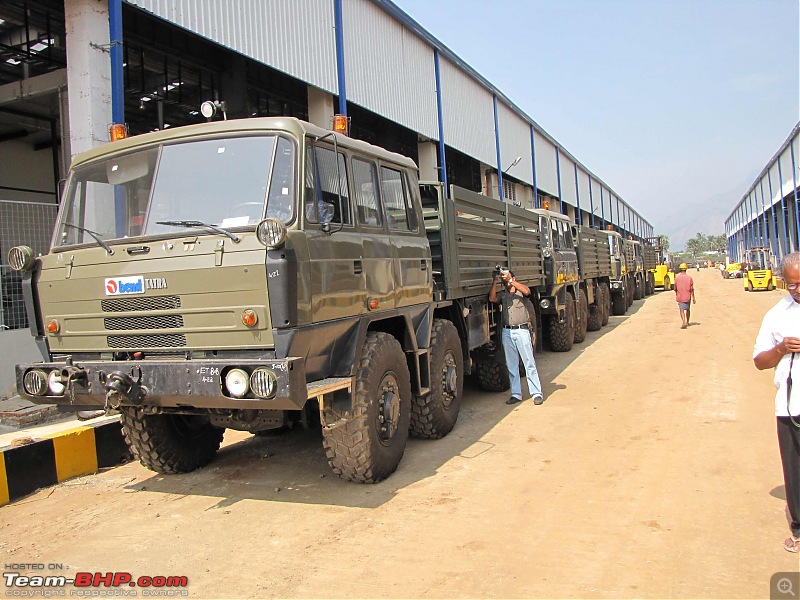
358	268
137	250
423	264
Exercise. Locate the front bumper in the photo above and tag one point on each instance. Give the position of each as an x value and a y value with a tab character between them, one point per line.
170	383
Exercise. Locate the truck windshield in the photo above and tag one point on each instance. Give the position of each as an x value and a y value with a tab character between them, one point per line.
230	183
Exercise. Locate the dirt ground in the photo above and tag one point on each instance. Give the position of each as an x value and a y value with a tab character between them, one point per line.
651	471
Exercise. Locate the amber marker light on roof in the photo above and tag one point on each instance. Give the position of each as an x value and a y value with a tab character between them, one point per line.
546	205
118	131
341	124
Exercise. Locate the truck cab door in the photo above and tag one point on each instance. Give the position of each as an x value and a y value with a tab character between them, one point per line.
334	285
411	250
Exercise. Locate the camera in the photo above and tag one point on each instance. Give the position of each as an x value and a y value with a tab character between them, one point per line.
499	270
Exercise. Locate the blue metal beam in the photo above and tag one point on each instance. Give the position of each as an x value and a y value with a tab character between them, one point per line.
440	111
497	146
340	70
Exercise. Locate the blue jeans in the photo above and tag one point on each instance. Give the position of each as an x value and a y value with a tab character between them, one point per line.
516	345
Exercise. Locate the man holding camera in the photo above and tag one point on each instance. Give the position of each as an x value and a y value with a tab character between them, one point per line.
516	334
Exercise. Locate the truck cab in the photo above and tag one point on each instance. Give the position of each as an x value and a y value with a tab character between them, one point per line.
559	293
221	276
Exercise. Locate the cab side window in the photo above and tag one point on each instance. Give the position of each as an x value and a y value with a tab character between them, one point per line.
569	241
544	227
365	182
397	201
326	182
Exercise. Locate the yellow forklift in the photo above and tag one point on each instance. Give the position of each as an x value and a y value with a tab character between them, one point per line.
663	273
757	270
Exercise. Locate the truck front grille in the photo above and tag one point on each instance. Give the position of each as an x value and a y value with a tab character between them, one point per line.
148	322
138	342
141	303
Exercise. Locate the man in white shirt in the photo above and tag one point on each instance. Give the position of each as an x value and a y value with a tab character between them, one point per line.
776	346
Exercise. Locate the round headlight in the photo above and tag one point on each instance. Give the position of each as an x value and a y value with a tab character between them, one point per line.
264	382
35	382
21	258
547	253
57	388
237	382
208	109
271	233
545	304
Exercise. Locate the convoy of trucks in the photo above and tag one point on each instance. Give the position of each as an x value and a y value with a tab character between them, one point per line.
251	274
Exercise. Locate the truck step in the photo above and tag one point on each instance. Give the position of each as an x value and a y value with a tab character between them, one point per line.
328	385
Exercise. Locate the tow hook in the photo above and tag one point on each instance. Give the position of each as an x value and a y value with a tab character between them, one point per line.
121	387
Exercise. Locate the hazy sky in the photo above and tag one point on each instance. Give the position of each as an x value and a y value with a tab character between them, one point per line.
676	104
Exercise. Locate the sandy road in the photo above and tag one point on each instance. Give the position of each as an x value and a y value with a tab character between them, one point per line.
652	470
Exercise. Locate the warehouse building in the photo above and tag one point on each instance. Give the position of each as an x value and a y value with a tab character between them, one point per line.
768	215
69	68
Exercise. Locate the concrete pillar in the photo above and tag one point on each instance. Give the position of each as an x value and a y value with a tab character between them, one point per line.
88	73
428	161
320	107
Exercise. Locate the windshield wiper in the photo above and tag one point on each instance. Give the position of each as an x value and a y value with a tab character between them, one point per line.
236	239
95	235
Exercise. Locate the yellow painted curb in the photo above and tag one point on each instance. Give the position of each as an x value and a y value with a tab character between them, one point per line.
75	452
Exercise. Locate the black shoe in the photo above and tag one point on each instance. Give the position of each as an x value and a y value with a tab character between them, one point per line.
513	400
538	400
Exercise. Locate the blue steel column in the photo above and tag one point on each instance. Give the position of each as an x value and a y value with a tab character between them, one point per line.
591	200
602	210
578	196
790	243
117	100
338	24
794	188
558	176
497	146
533	162
787	238
117	74
767	243
442	159
775	216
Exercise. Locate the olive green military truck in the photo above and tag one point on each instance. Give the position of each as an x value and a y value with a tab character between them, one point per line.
594	266
621	281
249	273
636	270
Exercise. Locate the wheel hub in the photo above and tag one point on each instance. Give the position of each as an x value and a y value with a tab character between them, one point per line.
388	408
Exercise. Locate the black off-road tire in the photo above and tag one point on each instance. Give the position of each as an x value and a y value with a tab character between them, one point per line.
650	285
492	376
638	292
667	283
434	415
170	443
606	296
619	303
357	450
582	316
594	320
562	335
